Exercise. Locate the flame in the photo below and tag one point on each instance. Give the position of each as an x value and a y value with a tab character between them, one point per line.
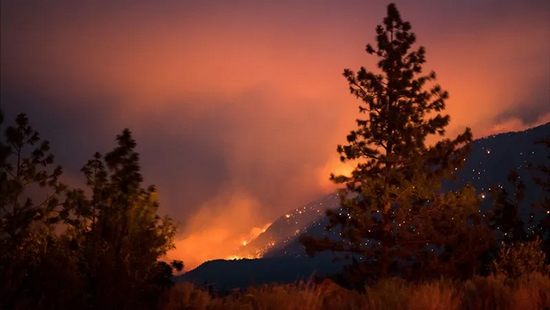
212	234
256	231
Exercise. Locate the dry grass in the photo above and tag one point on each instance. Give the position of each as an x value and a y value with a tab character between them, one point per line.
527	292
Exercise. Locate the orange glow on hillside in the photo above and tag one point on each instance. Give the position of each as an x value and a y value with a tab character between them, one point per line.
218	229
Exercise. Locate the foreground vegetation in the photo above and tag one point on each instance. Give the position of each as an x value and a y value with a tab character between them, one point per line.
72	248
530	291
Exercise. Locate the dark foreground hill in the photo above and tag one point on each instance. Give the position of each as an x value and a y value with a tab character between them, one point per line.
284	258
229	274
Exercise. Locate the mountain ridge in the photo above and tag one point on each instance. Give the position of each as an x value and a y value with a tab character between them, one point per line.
488	163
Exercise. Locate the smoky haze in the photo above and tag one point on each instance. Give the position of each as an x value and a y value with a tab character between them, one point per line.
237	109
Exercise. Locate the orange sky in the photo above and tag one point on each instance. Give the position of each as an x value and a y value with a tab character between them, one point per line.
237	106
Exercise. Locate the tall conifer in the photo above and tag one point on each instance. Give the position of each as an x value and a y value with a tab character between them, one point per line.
394	216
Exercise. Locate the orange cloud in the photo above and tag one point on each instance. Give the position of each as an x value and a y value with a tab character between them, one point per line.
237	109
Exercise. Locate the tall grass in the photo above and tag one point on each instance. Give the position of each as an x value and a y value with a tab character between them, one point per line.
531	291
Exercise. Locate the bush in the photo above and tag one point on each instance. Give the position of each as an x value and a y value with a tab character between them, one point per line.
520	259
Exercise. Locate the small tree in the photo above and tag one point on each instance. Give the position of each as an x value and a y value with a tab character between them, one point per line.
505	216
119	234
26	226
543	180
394	217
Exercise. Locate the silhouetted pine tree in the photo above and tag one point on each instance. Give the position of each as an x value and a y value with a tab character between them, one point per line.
107	253
394	217
543	180
29	211
118	233
505	214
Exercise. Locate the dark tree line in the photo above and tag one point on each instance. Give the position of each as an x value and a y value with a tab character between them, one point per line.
61	248
395	219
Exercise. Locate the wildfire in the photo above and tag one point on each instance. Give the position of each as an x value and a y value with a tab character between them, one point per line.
251	253
256	231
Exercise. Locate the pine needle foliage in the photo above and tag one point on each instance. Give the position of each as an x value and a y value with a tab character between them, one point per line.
395	219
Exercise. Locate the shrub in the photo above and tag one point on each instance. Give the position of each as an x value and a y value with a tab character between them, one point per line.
521	258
